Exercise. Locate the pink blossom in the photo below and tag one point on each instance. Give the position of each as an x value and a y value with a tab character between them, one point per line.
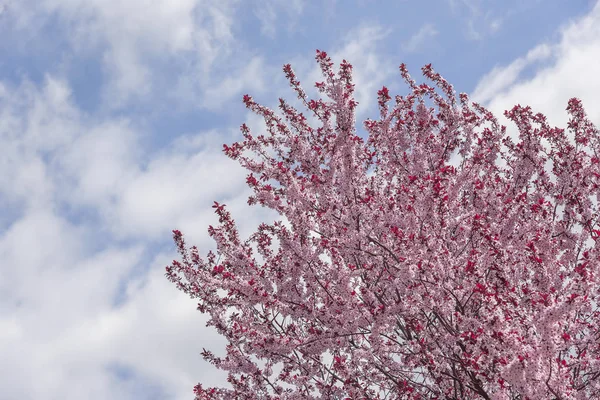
435	258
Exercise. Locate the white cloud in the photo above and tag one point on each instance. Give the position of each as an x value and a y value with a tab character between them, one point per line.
55	157
53	286
570	71
158	333
420	39
33	124
501	78
135	42
61	336
100	163
133	35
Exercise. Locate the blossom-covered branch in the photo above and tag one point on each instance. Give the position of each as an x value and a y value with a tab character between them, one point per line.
437	258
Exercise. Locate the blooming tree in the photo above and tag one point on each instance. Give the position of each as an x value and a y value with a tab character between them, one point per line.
437	258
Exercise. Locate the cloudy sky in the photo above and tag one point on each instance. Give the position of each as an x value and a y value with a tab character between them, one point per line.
112	118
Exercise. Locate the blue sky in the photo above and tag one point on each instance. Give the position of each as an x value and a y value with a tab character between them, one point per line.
112	118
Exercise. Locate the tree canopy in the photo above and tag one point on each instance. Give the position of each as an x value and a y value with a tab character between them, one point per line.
438	257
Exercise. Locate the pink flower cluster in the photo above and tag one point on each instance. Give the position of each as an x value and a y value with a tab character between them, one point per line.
437	258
